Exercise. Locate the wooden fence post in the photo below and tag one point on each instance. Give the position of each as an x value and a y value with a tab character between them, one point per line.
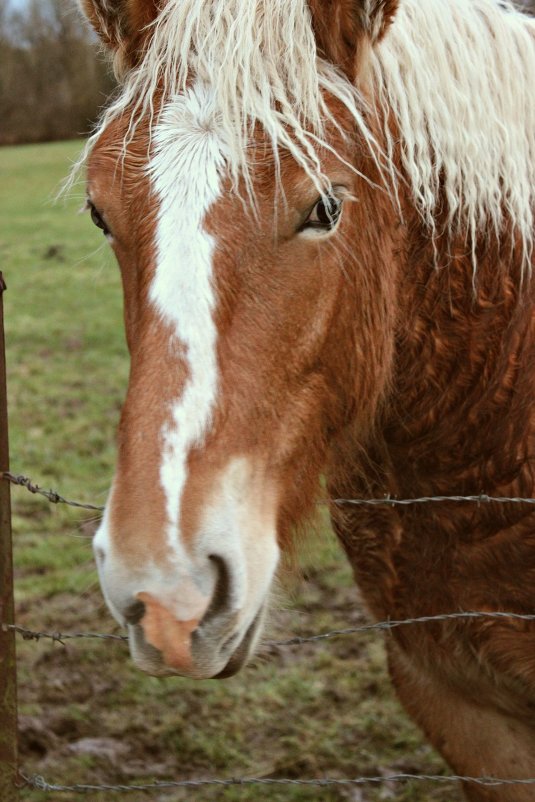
8	665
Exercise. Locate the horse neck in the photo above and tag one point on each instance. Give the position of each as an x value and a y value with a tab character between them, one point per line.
457	417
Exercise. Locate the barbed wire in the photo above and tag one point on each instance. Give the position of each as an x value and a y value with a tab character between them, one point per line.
384	626
59	637
51	495
39	783
482	498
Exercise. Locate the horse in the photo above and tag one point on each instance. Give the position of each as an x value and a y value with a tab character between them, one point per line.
322	212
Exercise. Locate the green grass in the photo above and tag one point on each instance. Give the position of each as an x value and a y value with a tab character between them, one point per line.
320	710
67	364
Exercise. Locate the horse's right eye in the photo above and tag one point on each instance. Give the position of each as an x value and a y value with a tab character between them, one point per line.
325	215
97	219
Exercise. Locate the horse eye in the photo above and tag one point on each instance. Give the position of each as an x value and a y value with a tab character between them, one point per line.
97	219
325	214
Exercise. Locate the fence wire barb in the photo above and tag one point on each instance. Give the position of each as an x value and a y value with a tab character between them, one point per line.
51	495
56	498
393	624
39	783
60	637
387	501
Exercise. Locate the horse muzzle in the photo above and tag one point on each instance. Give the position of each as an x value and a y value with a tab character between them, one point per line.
214	648
192	609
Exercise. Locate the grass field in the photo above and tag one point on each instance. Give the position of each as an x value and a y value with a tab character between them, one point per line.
86	714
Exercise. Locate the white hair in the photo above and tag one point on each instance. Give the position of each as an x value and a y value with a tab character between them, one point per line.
456	74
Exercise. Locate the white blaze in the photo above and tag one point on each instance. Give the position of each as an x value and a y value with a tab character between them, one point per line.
185	173
189	157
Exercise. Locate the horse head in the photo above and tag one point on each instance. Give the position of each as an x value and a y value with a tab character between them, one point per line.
231	180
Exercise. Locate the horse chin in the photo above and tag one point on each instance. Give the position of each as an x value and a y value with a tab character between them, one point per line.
244	650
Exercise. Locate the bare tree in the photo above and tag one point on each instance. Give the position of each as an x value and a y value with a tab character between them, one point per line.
52	82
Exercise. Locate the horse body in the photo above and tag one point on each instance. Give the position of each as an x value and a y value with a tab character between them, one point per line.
458	418
300	300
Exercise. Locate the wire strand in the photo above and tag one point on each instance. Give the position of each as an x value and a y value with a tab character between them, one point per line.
39	783
60	637
482	498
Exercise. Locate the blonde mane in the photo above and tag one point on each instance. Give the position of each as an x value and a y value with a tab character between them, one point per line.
457	75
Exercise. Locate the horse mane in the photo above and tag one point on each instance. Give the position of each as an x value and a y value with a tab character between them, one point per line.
458	77
455	74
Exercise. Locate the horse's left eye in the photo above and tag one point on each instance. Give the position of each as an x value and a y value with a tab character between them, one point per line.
97	219
325	214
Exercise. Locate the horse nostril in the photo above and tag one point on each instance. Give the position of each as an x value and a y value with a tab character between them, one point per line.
134	612
221	599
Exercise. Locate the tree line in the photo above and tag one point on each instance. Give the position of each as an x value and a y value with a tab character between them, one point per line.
52	80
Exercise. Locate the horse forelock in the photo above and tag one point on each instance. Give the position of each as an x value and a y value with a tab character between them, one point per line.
454	77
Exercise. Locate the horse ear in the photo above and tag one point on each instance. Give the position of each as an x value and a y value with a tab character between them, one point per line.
346	28
121	26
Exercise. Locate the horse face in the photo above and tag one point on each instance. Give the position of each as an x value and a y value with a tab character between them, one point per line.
253	341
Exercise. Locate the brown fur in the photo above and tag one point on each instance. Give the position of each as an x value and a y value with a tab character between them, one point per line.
456	419
401	378
344	29
121	26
